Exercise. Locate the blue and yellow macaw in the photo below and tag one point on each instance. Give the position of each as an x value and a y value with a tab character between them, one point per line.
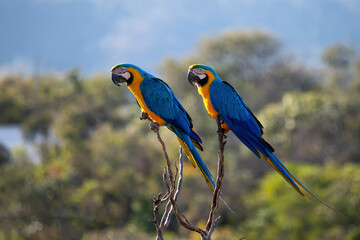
157	100
224	104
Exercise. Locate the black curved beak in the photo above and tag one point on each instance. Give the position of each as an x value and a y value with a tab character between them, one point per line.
117	79
192	78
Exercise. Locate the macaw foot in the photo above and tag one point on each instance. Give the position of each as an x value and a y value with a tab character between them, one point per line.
154	126
219	120
143	116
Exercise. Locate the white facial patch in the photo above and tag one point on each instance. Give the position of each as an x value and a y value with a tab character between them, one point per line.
119	70
202	76
126	75
199	71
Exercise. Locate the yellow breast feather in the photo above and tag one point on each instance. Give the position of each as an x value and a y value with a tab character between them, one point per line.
135	89
204	91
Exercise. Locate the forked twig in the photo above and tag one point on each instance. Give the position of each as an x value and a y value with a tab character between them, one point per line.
171	196
166	217
165	220
179	216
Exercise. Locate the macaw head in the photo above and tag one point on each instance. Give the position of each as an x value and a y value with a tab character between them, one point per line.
122	73
199	74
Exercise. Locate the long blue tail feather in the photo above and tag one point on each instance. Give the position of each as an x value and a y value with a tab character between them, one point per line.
195	158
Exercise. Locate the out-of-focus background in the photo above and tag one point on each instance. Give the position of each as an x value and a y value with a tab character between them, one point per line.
77	163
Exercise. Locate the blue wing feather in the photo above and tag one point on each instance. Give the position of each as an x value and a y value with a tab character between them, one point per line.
232	109
161	100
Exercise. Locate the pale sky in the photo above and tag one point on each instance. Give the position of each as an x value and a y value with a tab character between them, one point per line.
94	35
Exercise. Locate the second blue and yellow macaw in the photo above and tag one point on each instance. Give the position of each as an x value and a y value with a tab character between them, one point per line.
158	101
224	104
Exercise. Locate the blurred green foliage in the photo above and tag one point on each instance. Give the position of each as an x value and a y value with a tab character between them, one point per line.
97	165
276	214
4	155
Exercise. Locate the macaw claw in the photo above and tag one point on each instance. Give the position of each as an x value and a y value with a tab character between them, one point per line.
219	120
154	126
143	116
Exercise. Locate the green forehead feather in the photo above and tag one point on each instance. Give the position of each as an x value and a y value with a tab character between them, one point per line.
126	65
202	66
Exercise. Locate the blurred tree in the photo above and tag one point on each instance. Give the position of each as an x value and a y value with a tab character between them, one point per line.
354	86
252	61
338	56
314	127
278	214
73	76
12	103
243	54
4	155
320	126
17	181
341	62
37	125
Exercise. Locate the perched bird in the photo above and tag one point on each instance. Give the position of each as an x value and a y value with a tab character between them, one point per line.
225	105
157	100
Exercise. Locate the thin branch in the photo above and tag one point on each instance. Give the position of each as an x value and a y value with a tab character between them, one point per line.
171	175
170	189
171	196
165	221
211	224
156	203
179	216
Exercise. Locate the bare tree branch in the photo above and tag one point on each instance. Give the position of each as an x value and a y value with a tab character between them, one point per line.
179	216
171	195
165	221
211	223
